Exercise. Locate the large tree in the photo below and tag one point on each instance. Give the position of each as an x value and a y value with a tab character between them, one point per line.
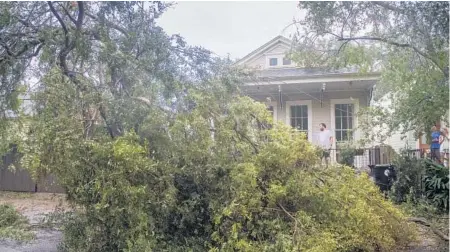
112	55
406	41
153	142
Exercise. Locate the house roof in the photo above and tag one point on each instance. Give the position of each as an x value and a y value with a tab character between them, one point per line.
277	40
289	73
300	72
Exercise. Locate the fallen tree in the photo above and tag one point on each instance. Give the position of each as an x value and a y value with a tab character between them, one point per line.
424	222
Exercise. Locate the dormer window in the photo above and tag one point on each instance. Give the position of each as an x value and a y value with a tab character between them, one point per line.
273	61
286	61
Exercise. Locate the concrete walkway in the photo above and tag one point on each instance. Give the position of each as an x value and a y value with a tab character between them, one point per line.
46	241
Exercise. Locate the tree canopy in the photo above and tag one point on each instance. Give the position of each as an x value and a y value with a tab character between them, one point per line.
407	42
110	56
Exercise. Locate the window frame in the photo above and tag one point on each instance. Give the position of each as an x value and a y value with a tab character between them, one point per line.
333	103
308	103
286	58
270	61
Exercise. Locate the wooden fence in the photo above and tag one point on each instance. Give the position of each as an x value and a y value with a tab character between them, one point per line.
20	180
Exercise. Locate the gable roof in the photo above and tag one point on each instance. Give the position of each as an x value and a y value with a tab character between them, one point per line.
277	40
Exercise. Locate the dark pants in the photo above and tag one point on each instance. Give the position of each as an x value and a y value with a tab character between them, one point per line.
436	155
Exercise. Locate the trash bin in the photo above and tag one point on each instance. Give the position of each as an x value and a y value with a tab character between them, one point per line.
384	175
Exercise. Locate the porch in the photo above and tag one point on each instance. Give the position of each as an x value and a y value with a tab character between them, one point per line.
333	99
364	157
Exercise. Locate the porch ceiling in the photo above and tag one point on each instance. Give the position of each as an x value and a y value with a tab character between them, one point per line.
312	87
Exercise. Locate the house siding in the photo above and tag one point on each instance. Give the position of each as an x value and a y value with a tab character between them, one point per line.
320	114
398	142
260	62
290	79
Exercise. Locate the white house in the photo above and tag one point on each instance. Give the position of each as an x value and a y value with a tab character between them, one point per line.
306	97
398	141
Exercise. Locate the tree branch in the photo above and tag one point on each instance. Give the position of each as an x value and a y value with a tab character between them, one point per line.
149	104
108	126
22	50
293	218
404	45
79	22
36	52
243	136
111	25
388	6
427	224
61	22
68	14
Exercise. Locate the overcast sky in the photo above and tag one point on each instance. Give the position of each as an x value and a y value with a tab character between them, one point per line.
236	28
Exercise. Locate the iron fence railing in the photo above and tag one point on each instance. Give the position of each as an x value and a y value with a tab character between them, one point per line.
363	157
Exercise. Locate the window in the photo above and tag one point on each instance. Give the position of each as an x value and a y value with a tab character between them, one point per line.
273	61
343	114
286	61
299	118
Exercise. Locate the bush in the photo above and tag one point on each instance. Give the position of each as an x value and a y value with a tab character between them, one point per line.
13	225
242	189
408	186
347	153
436	185
419	180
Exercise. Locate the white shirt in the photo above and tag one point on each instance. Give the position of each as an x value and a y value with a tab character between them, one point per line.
324	139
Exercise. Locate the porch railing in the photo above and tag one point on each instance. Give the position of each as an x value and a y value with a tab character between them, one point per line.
378	155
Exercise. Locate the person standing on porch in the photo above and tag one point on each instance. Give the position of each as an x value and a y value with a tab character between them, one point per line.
435	147
325	142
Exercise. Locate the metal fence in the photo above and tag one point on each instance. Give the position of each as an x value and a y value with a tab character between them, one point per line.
363	157
20	180
426	153
380	155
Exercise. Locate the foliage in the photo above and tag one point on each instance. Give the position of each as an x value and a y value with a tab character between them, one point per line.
436	181
408	186
347	153
56	219
406	42
111	56
257	193
13	225
158	149
421	182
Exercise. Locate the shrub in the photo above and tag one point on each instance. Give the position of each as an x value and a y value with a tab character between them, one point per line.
436	185
408	186
418	180
13	225
347	153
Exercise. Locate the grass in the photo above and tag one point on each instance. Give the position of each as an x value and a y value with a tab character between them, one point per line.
13	225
